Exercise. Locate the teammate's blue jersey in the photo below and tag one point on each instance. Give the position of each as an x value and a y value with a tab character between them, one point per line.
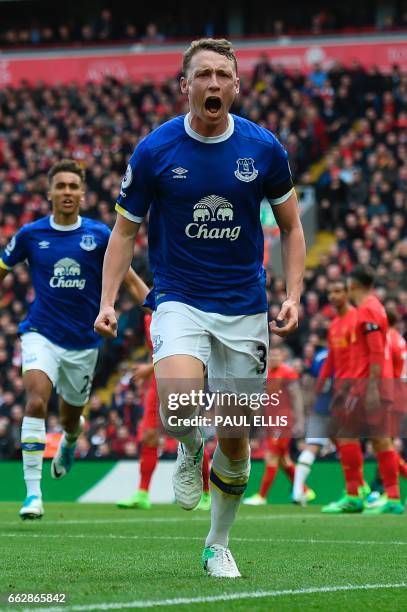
66	271
205	236
323	400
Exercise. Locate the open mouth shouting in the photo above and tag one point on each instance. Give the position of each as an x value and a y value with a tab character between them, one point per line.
213	105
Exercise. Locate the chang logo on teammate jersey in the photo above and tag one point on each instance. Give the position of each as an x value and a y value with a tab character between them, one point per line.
66	271
212	209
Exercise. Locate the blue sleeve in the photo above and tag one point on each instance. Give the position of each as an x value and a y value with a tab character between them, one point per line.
278	183
16	251
106	235
137	188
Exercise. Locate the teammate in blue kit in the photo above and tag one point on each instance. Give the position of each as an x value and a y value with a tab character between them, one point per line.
202	177
59	346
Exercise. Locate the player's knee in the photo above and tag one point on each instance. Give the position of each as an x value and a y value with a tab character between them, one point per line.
382	444
150	437
36	406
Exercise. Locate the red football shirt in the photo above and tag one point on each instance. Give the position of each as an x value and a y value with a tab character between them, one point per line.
398	350
337	363
147	323
369	340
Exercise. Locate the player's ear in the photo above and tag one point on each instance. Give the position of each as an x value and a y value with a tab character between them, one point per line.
183	83
237	85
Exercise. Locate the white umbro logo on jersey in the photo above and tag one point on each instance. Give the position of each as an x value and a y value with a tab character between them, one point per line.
43	244
179	173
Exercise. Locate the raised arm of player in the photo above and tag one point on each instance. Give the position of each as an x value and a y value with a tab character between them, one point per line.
118	256
293	256
326	371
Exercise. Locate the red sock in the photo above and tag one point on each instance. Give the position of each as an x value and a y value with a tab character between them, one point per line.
289	471
148	461
268	477
402	467
352	465
389	471
205	471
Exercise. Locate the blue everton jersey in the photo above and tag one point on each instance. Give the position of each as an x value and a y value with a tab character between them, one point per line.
323	400
66	271
205	236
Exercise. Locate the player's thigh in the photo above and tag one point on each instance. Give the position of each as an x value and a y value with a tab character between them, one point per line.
237	368
39	355
181	349
239	348
318	428
75	375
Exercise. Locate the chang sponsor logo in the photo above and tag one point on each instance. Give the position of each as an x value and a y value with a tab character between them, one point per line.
66	273
210	216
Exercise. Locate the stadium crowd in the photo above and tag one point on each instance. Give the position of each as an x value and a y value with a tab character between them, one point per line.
346	134
73	27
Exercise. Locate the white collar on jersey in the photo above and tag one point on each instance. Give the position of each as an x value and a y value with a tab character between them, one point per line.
209	139
65	228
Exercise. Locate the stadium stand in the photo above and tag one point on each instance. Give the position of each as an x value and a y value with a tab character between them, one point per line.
345	132
121	23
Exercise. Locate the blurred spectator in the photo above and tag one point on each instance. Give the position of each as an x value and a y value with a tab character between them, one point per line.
152	35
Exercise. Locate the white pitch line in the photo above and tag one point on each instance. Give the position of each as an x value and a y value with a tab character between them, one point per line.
222	597
113	536
195	519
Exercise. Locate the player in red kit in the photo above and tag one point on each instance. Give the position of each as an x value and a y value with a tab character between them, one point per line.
368	405
150	437
336	367
398	352
281	379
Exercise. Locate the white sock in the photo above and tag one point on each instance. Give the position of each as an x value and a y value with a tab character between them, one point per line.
232	476
33	446
302	470
189	436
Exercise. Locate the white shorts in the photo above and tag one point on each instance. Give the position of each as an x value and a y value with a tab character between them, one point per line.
233	347
318	429
71	372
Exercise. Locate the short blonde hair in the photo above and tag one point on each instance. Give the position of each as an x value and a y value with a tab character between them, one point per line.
218	45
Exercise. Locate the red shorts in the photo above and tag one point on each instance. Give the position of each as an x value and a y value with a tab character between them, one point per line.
151	405
353	419
278	446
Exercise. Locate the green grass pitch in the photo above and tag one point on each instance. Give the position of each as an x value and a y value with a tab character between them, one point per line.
290	558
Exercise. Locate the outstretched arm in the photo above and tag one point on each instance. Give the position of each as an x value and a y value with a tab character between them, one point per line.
118	256
293	255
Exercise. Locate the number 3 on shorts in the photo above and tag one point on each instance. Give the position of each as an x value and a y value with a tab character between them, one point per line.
262	352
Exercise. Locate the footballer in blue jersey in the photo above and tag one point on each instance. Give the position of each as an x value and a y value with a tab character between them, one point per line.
65	254
66	270
202	177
